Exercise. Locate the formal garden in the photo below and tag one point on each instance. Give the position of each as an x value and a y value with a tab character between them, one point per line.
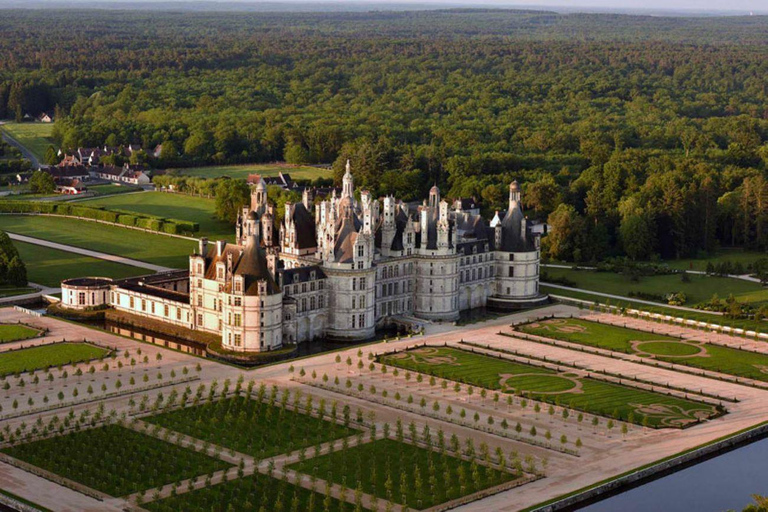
570	389
16	332
256	492
115	460
263	426
705	356
46	356
404	473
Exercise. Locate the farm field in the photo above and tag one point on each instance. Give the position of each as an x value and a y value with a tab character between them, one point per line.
249	426
441	477
158	249
239	495
115	460
15	332
705	356
36	137
566	388
699	289
38	358
49	267
299	172
171	206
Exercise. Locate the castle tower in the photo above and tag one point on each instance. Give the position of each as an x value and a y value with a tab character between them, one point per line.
348	183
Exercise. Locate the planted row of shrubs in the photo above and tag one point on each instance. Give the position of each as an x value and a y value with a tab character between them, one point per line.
150	222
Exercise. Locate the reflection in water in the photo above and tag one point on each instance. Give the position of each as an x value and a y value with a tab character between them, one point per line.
722	482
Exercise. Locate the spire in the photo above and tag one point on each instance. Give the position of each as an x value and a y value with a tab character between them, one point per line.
348	182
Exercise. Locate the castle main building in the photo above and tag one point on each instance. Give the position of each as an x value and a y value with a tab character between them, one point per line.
337	269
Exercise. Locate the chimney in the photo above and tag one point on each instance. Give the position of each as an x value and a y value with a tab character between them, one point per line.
220	244
203	246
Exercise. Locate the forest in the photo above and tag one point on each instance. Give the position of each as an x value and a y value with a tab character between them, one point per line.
634	136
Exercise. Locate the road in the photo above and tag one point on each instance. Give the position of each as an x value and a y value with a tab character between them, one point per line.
24	151
87	252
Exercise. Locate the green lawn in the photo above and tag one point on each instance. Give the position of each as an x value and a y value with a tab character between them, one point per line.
10	291
407	468
689	353
36	137
172	206
590	395
699	289
699	316
45	356
250	494
115	460
733	255
49	267
15	332
159	249
112	189
299	172
250	426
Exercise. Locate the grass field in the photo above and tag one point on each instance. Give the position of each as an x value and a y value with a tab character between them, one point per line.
733	255
251	427
700	316
15	332
49	267
689	353
250	494
699	289
299	172
115	460
36	137
111	189
372	464
10	291
45	356
172	206
158	249
590	395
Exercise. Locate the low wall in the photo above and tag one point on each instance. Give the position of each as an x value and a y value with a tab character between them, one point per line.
673	463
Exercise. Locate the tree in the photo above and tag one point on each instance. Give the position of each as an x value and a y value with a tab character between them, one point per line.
231	196
41	183
637	236
51	158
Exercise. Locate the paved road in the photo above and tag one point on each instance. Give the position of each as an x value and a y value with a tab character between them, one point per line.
87	252
24	151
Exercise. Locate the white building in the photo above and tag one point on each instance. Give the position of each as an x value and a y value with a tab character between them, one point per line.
342	268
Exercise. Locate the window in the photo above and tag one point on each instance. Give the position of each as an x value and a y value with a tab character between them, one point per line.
143	305
354	284
238	301
81	298
304	304
131	303
303	287
238	319
199	301
199	319
353	321
361	320
238	340
167	310
178	313
360	251
312	303
511	271
238	285
321	301
511	257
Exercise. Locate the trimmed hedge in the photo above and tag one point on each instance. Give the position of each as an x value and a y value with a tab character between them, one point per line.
149	222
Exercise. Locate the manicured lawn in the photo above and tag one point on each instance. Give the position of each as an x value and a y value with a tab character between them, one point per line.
372	464
36	137
251	427
734	255
10	291
103	190
159	249
250	494
590	395
49	267
45	356
699	289
15	332
300	172
115	460
172	206
699	316
689	353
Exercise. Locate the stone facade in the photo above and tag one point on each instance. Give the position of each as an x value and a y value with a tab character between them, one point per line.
342	268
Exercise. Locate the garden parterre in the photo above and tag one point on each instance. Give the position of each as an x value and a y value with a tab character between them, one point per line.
706	356
45	356
563	388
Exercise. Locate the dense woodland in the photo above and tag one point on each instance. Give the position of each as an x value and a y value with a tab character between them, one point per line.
635	136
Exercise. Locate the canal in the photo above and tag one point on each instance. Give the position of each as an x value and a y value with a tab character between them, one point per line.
717	484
